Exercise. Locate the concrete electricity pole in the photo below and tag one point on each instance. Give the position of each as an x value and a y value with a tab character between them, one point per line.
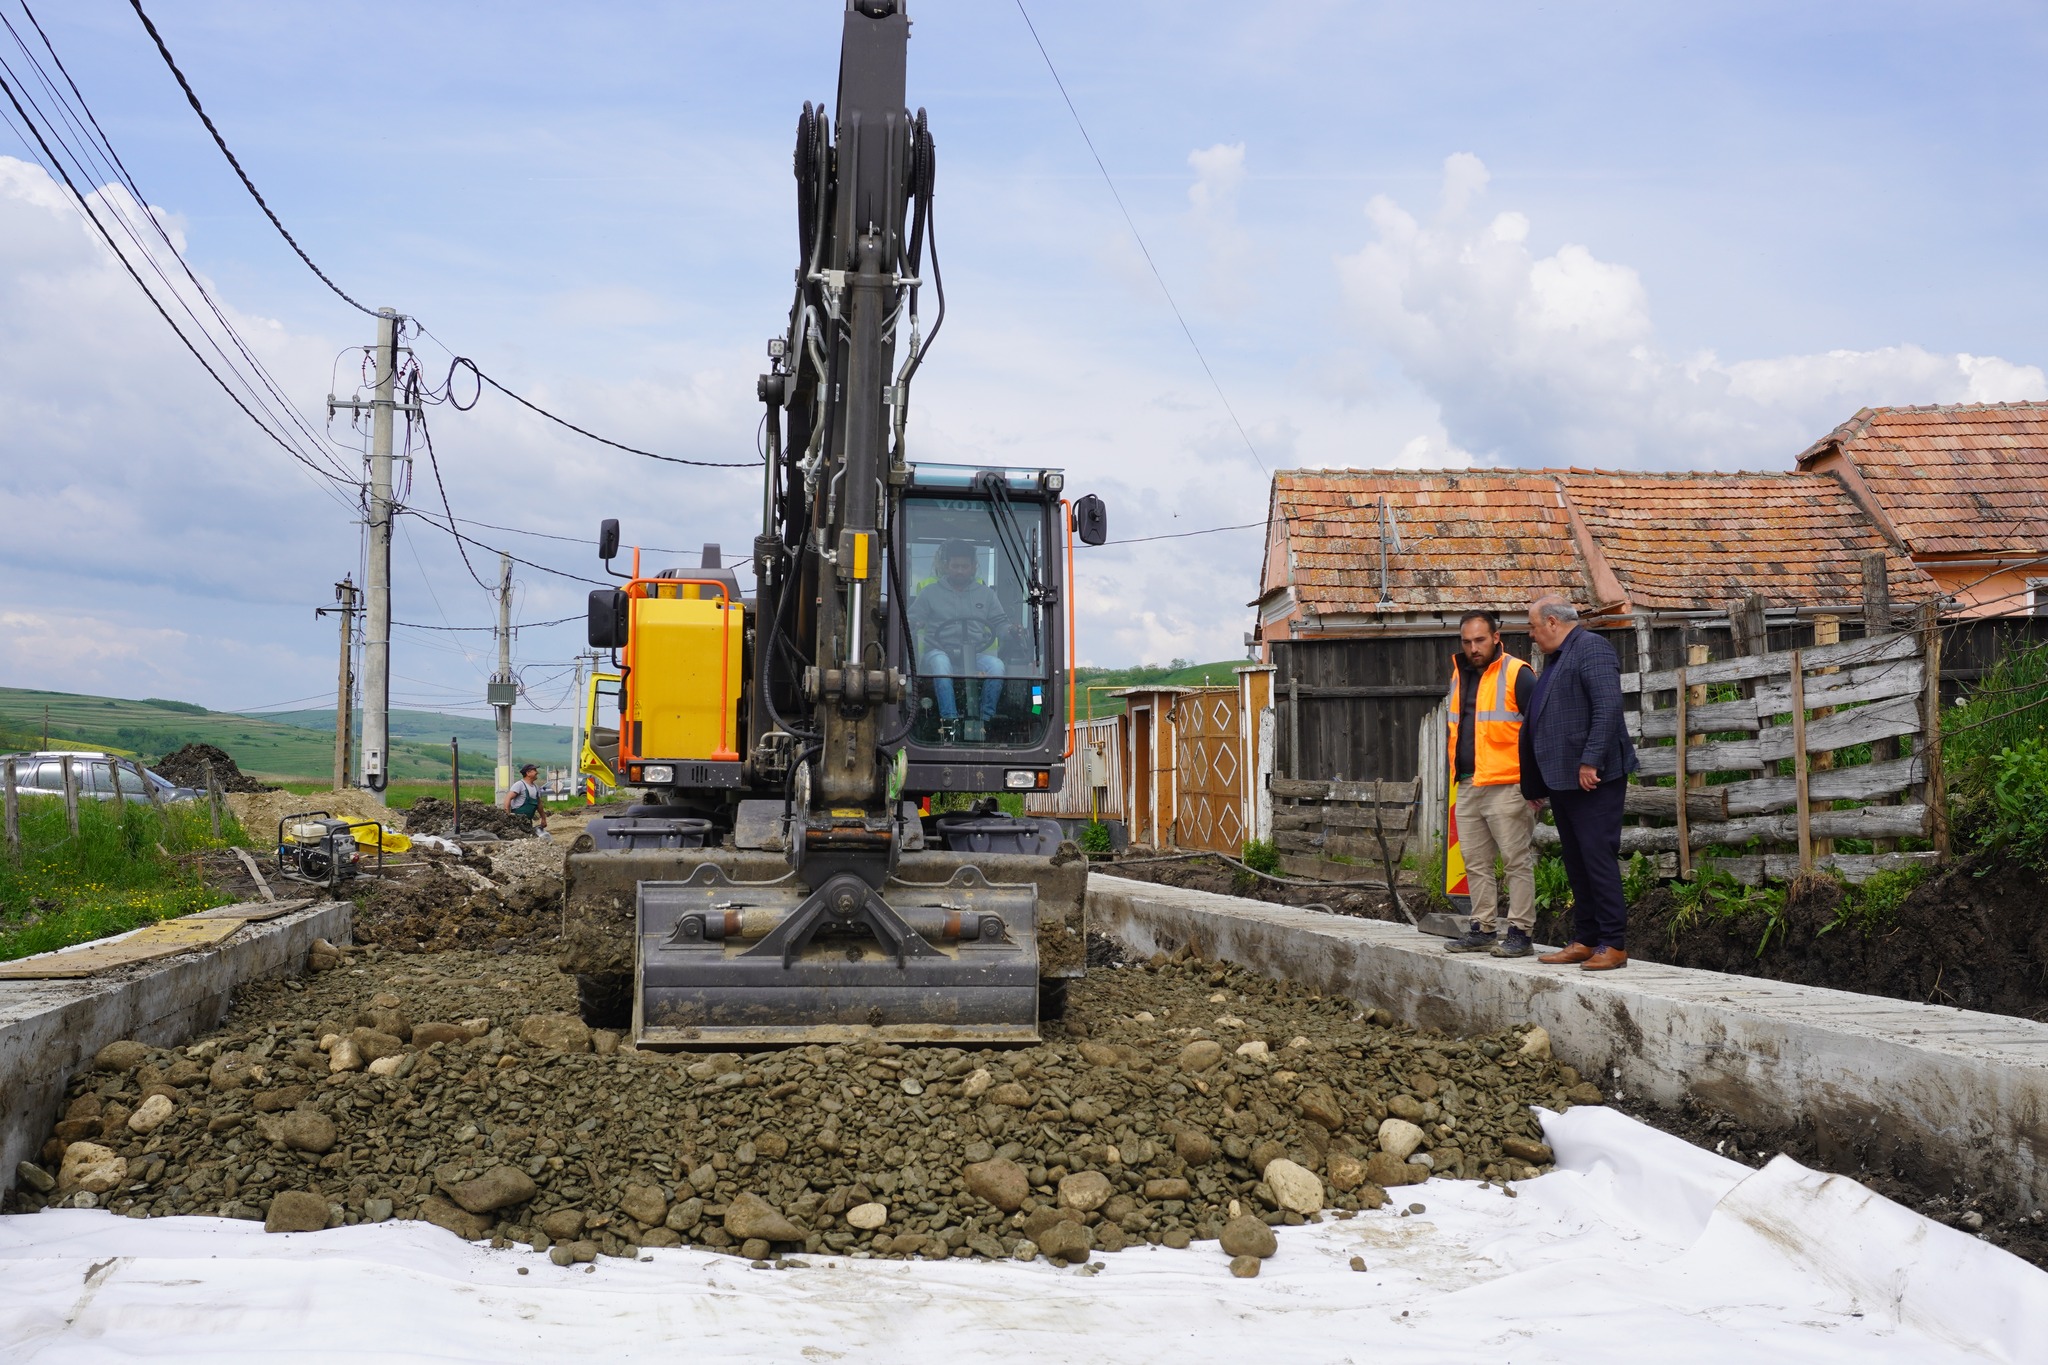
377	607
576	731
503	689
344	687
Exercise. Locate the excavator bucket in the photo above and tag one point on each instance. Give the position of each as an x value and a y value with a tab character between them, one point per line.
726	948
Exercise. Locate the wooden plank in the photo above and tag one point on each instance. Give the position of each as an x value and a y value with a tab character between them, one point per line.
1827	630
1870	822
1395	818
1934	783
1849	654
163	939
250	912
1801	796
1377	692
1297	788
1864	782
1681	805
1360	845
1383	792
256	874
71	795
1899	716
1876	682
1752	869
1701	803
12	809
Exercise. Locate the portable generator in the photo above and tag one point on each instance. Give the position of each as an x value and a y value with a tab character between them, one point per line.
320	849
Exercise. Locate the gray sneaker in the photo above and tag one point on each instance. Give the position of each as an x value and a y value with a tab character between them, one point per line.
1515	944
1476	940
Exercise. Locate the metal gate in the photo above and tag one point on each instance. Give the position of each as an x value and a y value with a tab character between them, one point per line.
1208	772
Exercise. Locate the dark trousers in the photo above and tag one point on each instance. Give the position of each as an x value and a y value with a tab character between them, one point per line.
1589	837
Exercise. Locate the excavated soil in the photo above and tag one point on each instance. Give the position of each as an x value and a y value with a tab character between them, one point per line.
1151	1115
1209	874
500	898
187	768
1973	937
432	815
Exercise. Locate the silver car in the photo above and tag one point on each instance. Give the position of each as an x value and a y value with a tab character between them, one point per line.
92	771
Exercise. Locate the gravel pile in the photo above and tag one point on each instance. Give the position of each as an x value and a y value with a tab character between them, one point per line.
187	768
1181	1101
432	815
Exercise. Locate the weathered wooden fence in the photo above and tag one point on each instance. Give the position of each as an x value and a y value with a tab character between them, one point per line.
1785	733
1333	830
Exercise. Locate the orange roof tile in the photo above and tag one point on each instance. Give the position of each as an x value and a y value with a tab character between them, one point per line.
1952	479
1692	541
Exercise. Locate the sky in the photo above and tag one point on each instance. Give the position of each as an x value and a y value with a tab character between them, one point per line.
1418	235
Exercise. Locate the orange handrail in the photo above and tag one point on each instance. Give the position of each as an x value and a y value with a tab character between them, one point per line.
1067	513
724	753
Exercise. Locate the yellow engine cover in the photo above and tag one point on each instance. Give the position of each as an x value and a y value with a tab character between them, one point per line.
685	682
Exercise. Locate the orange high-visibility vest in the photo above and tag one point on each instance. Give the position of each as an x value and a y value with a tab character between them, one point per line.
1496	742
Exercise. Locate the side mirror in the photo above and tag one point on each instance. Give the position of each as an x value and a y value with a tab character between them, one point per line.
1091	520
607	620
608	539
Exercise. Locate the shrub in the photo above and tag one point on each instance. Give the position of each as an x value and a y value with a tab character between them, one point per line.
1261	856
2015	817
1553	887
1095	837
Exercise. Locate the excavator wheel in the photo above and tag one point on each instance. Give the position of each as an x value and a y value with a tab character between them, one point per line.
605	1000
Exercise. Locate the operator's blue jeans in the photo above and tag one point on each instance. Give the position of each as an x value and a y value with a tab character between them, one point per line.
937	665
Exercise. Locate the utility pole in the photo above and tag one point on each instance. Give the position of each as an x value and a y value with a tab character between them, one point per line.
503	689
576	731
344	688
377	606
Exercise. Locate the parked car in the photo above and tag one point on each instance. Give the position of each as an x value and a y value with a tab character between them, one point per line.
92	771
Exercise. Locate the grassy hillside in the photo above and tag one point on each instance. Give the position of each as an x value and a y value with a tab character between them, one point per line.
1175	673
262	746
547	745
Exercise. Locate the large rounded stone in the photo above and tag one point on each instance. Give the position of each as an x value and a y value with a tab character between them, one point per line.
1535	1045
1194	1146
89	1166
1295	1186
1167	1187
296	1211
1085	1191
307	1130
867	1217
434	1031
1523	1149
468	1226
1245	1235
1245	1267
1010	1094
498	1188
1319	1105
152	1115
1384	1169
998	1182
1064	1241
1347	1172
563	1225
1201	1055
644	1202
1399	1138
555	1032
122	1056
375	1045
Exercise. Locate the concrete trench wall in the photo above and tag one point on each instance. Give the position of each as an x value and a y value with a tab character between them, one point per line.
49	1030
1966	1093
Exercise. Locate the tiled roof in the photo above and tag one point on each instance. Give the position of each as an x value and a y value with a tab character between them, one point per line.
1684	542
1468	539
1954	479
1500	537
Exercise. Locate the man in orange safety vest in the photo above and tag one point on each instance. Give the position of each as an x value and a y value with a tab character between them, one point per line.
1489	696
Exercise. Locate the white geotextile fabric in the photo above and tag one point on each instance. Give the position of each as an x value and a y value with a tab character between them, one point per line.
1638	1247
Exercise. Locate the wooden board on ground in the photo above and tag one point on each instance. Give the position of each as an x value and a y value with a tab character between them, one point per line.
166	938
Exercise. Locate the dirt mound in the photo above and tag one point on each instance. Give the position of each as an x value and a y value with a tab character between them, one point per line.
471	903
1170	1094
259	812
1973	937
187	768
432	815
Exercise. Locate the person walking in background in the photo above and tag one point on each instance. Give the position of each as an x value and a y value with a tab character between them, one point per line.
1579	756
1490	691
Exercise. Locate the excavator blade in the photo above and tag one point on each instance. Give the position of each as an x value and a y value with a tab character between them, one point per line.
736	964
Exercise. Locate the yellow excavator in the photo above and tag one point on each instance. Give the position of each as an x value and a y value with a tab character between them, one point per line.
907	645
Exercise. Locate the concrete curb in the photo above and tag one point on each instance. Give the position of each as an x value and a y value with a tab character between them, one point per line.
1967	1092
49	1030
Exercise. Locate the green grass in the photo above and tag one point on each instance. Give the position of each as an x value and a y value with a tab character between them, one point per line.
298	745
120	872
1174	673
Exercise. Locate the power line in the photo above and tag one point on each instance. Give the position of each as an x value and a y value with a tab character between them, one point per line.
1183	535
247	183
451	531
463	361
1131	222
517	625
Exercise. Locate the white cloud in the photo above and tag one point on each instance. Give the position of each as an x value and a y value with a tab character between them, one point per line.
1555	359
1212	203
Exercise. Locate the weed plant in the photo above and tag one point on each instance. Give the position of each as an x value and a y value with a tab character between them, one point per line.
1995	757
126	867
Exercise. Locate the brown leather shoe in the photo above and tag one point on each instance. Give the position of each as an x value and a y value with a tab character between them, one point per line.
1606	960
1566	956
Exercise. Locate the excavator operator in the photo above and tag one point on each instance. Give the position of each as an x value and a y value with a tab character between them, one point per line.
959	623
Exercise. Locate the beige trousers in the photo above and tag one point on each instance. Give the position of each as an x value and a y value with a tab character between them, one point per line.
1496	822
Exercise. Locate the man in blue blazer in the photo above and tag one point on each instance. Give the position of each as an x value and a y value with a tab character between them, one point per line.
1577	754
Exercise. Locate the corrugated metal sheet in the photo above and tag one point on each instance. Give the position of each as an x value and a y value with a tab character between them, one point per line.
1097	763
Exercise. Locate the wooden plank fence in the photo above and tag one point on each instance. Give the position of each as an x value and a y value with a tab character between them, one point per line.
1318	823
1802	708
